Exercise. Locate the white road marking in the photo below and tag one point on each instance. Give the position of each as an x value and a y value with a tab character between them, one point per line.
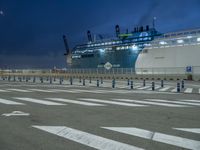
151	103
112	102
66	91
196	101
8	102
193	130
4	90
174	90
44	102
199	91
158	137
75	102
40	90
18	90
164	89
174	102
188	90
143	88
156	87
87	139
16	113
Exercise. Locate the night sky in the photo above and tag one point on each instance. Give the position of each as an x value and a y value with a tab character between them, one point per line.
31	30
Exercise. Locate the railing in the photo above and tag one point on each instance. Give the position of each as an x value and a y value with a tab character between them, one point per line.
195	70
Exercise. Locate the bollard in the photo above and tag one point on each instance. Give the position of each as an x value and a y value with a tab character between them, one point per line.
182	84
50	80
153	86
71	81
34	79
90	80
131	84
41	79
54	79
26	79
128	82
178	87
9	78
97	82
14	79
60	80
144	83
20	79
83	82
101	80
80	80
162	83
113	83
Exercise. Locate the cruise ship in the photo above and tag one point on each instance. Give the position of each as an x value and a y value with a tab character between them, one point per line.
144	50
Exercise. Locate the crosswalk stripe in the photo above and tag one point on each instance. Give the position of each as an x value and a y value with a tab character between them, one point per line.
18	90
112	102
188	90
156	87
193	130
8	102
44	102
164	89
158	137
151	103
87	139
40	90
174	102
75	102
143	88
4	90
174	90
197	101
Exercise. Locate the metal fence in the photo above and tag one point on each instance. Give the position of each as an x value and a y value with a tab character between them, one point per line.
195	70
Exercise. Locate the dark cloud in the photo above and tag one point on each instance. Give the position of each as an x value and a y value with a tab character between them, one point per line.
34	29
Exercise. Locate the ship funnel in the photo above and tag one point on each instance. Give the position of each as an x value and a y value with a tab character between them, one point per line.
117	30
141	29
89	36
147	28
66	45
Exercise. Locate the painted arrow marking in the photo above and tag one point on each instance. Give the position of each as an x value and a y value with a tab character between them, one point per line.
16	113
87	139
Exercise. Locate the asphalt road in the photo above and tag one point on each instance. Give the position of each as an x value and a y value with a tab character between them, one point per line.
64	117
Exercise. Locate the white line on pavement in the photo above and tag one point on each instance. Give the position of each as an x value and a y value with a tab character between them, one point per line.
4	90
193	130
75	102
143	88
18	90
188	90
164	89
44	102
8	102
197	101
174	102
158	137
40	90
151	103
112	102
87	139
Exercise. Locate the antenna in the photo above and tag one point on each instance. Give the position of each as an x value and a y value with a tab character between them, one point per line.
154	19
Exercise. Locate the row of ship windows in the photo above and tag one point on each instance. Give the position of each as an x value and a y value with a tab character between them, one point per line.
136	47
116	42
